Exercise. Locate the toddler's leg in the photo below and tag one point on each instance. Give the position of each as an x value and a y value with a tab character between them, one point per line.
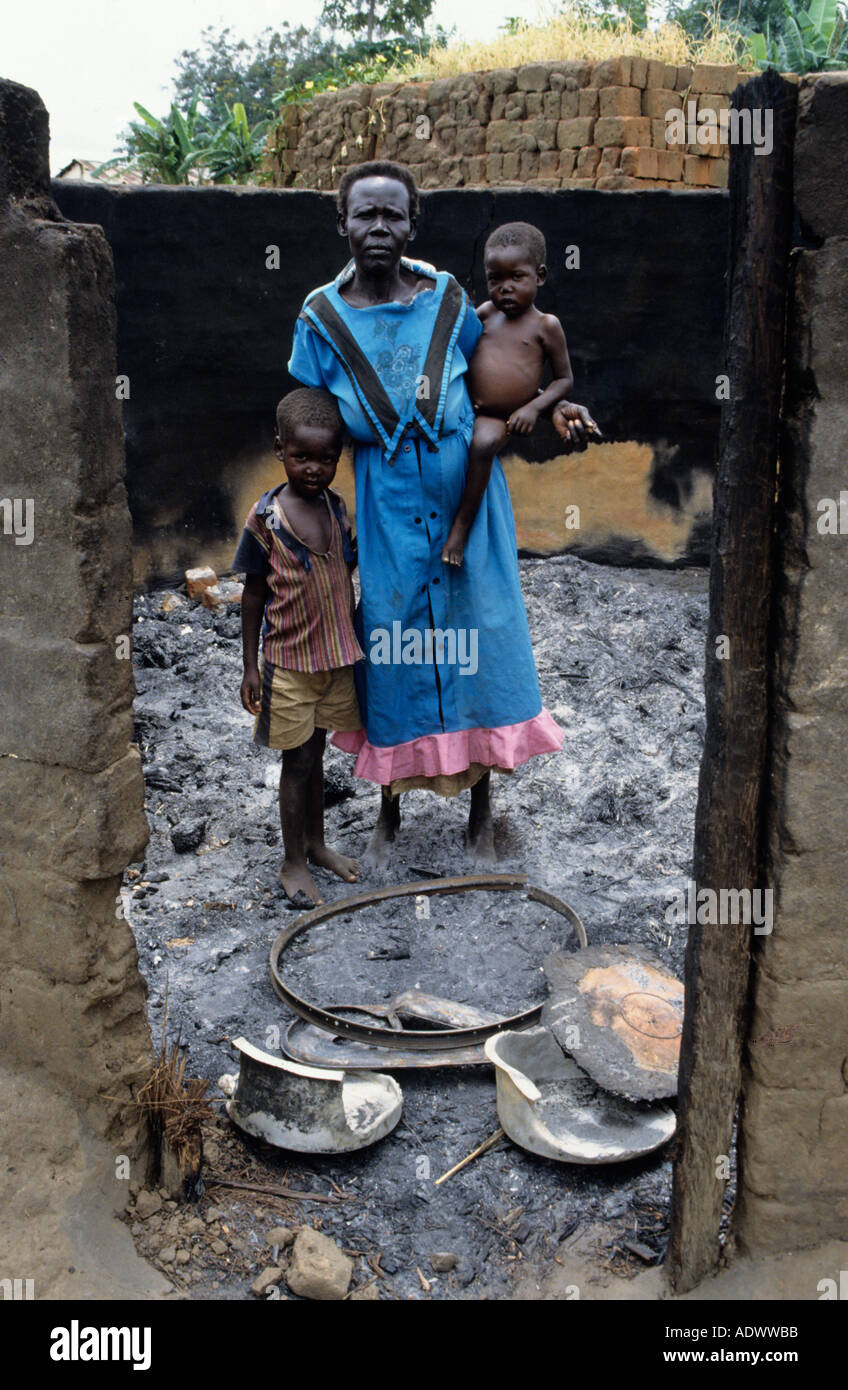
489	435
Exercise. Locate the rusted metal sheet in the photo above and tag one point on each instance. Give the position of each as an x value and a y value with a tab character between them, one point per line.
619	1013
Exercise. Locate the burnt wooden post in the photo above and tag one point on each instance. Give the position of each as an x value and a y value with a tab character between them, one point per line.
728	841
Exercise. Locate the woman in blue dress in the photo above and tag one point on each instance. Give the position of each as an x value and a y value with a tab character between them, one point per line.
449	689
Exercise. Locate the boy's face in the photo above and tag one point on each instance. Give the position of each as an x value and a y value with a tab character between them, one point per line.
512	279
310	456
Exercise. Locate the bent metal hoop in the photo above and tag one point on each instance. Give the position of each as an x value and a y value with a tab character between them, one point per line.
422	1040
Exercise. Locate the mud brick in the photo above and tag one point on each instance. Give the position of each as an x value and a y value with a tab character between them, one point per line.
620	101
510	167
549	164
588	103
533	103
611	72
569	104
578	183
516	107
587	162
499	136
534	77
715	149
656	101
658	136
710	77
639	161
574	133
572	70
494	168
476	169
198	580
483	108
661	74
705	173
621	130
609	161
713	101
528	165
500	81
683	80
544	133
669	164
639	72
566	162
498	107
552	106
471	140
616	182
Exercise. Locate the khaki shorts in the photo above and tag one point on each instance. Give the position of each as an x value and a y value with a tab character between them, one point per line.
296	703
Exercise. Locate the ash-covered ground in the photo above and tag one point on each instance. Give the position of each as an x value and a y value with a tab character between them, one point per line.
607	825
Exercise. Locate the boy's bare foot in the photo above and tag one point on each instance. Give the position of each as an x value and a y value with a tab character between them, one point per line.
376	855
338	864
453	552
298	886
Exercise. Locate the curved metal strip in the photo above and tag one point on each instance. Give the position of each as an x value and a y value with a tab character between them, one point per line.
422	1040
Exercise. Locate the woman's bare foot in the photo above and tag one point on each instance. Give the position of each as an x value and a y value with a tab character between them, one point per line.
338	864
480	839
480	835
298	885
388	822
453	551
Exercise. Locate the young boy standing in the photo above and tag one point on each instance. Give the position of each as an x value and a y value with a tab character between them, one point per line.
297	553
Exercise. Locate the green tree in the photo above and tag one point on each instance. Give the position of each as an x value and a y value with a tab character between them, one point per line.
230	69
372	19
748	16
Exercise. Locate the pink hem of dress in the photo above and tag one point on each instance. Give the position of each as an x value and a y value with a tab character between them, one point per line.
441	755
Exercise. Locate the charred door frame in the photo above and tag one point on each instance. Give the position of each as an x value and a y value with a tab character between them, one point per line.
729	849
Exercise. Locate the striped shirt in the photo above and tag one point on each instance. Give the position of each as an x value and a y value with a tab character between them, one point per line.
309	609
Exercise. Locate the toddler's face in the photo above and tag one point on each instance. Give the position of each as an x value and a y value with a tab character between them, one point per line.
310	457
512	279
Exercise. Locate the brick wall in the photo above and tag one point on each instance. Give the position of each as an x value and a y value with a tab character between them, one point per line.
552	125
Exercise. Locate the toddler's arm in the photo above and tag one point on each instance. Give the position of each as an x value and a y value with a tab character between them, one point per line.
524	420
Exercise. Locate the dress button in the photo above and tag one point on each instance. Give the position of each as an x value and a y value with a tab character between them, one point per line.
407	448
435	581
432	516
417	520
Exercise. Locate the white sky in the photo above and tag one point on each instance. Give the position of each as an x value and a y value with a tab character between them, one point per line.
90	59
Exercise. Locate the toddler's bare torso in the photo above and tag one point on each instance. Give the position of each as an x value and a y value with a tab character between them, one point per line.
506	369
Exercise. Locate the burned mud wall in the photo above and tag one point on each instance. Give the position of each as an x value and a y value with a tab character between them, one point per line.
794	1131
209	284
72	1002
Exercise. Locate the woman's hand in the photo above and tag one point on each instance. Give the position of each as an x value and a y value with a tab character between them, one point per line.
574	425
523	420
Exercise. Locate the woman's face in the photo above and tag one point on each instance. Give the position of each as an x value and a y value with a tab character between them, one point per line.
377	224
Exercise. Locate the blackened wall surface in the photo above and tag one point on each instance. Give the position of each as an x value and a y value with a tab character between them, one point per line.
205	328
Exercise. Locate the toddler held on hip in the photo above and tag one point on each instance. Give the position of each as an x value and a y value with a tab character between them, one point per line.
505	373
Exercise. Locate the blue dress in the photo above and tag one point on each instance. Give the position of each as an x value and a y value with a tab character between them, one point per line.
398	373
